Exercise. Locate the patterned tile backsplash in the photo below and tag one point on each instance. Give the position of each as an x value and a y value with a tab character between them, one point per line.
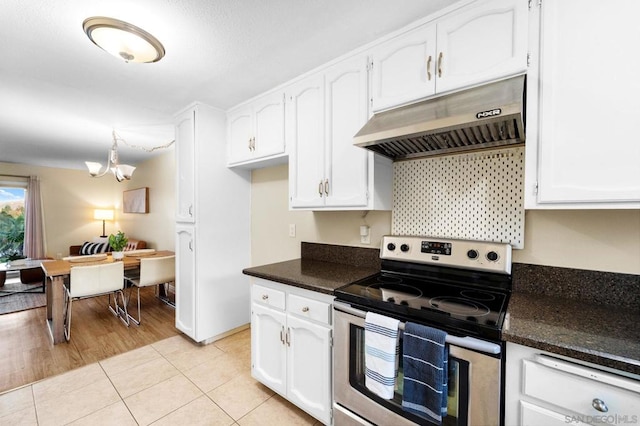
477	196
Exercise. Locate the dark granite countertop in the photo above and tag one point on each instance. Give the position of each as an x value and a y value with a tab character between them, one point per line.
587	315
311	274
322	267
601	327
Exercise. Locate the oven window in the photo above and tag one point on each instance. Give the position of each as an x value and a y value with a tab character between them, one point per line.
458	395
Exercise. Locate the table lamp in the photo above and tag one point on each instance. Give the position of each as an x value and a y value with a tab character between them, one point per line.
103	215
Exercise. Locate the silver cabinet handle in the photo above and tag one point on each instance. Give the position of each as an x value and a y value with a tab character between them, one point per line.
191	210
320	188
282	334
191	245
599	405
305	309
265	296
249	145
429	68
287	336
253	143
440	64
326	187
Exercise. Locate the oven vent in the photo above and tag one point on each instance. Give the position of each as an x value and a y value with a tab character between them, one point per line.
487	116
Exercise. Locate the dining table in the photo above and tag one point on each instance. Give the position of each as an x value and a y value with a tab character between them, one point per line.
57	270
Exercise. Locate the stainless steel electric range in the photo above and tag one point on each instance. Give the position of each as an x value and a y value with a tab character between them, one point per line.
459	286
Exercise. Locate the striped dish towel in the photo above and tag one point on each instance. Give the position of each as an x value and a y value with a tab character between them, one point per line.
425	366
381	349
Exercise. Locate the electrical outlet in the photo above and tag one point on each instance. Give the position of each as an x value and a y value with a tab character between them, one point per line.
365	239
292	230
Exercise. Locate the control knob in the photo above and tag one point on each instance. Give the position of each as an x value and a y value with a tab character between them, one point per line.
404	248
472	254
492	256
391	247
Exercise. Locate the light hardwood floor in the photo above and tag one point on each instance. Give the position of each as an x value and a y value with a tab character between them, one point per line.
28	355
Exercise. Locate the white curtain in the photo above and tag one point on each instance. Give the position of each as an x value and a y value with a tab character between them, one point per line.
34	223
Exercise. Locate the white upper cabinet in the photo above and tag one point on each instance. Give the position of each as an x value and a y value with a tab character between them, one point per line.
478	43
346	112
482	42
582	148
404	69
305	131
256	132
185	164
326	171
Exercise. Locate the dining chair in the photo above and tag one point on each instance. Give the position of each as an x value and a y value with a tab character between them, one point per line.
153	271
96	280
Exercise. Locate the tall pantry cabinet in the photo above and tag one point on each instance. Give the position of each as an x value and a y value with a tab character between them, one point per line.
212	228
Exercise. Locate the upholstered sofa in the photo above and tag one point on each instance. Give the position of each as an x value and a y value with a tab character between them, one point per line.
99	245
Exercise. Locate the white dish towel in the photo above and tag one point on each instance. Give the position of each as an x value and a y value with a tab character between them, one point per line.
381	351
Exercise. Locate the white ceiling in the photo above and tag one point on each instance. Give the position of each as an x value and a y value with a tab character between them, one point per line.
61	96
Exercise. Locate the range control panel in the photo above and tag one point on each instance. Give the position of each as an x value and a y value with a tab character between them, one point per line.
467	254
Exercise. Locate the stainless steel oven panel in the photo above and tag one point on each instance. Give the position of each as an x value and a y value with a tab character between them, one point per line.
484	381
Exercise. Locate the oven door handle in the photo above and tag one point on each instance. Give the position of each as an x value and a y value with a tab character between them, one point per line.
463	342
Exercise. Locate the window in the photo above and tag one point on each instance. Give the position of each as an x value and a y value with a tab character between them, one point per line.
12	214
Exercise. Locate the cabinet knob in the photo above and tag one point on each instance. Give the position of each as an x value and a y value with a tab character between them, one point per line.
599	405
305	309
265	296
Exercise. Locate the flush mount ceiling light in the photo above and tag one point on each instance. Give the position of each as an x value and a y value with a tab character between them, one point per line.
120	171
123	40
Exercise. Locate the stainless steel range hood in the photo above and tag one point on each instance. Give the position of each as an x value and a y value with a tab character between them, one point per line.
486	116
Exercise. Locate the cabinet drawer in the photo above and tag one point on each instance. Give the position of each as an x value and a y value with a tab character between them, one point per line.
309	308
577	393
533	415
268	296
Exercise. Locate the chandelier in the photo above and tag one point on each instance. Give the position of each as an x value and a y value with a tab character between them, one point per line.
120	171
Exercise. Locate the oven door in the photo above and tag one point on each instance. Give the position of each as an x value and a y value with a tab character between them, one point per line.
474	379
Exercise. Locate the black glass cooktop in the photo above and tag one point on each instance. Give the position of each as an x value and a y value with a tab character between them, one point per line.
467	309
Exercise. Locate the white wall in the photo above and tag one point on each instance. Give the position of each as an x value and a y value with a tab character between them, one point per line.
270	219
158	226
70	196
607	240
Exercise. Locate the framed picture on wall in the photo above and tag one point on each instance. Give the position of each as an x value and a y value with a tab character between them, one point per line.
136	201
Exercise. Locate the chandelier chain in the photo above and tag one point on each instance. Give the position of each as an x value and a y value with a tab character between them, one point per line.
119	139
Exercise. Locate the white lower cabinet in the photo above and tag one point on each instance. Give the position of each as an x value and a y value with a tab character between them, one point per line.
291	345
545	389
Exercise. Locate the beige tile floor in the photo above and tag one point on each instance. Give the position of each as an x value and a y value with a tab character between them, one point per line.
171	382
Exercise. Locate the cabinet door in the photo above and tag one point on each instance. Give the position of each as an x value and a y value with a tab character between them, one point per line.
186	280
309	367
346	106
240	132
185	166
305	130
404	68
482	43
589	91
268	350
268	129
